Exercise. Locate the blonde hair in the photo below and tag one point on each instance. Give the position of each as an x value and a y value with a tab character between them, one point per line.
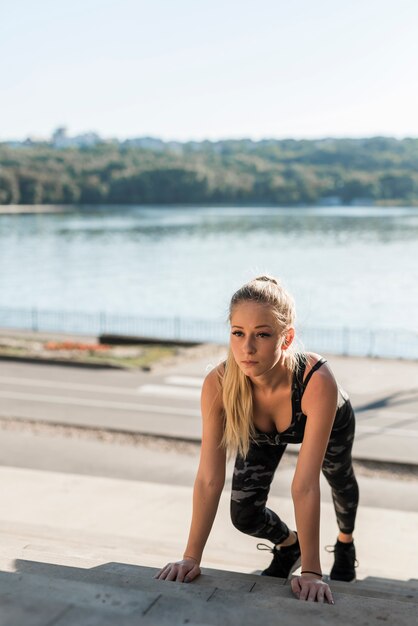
237	392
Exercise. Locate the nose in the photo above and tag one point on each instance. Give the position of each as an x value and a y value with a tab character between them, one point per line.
249	346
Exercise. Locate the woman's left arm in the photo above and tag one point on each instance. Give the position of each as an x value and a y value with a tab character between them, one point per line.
320	406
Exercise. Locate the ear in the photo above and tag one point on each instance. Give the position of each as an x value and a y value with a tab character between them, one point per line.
287	341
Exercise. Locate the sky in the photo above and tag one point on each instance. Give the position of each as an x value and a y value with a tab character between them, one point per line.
193	70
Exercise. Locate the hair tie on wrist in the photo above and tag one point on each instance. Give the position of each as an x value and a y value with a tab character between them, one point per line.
308	571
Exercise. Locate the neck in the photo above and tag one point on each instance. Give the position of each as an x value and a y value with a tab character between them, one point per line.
278	376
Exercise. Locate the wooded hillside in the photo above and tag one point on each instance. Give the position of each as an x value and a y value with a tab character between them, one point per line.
278	172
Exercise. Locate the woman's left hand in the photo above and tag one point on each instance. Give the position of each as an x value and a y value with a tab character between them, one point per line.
311	589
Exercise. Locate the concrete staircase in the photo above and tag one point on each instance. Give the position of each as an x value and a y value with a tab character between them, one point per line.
118	594
82	551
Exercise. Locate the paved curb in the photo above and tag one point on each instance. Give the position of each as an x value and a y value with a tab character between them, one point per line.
394	466
133	340
28	359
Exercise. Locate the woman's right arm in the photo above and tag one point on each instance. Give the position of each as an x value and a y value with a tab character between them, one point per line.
208	485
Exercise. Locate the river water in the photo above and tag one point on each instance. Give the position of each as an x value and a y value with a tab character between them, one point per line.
346	266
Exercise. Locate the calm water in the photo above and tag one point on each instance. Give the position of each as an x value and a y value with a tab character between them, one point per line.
350	266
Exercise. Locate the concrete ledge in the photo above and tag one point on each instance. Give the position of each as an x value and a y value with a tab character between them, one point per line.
133	340
32	359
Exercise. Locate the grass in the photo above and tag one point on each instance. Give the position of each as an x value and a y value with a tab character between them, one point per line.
142	358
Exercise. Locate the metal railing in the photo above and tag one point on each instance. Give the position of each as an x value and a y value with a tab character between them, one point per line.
343	341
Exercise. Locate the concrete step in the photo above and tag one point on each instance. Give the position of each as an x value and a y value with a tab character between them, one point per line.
39	560
94	559
373	587
129	595
139	577
375	582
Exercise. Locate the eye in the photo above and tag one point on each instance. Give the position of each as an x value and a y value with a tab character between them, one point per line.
239	333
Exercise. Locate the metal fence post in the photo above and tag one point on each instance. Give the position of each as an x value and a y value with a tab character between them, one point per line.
102	323
176	327
371	343
346	340
34	320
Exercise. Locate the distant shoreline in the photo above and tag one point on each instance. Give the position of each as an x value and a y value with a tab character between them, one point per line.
29	209
377	170
12	209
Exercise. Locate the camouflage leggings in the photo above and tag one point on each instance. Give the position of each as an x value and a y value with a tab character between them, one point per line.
253	475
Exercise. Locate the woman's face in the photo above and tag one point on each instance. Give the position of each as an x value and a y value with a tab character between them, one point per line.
256	341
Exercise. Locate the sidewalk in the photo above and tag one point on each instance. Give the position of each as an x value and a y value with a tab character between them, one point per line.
71	517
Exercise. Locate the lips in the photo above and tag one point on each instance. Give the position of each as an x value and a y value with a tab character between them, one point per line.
249	362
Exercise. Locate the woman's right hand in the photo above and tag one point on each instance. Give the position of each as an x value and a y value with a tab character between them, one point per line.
185	570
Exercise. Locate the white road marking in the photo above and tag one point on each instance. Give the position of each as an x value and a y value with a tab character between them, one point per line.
186	381
190	391
169	390
192	388
123	406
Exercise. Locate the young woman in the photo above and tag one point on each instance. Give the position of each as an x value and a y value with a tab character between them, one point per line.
265	396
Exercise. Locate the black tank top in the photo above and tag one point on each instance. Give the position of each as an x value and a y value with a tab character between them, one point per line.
294	433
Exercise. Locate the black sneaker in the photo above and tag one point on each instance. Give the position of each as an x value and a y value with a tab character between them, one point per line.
285	560
345	561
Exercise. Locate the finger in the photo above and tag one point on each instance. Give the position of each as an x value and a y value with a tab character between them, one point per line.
313	590
163	570
172	575
304	592
320	595
159	572
194	573
182	572
295	585
328	596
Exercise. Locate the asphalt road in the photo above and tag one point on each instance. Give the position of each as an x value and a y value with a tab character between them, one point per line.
83	421
106	399
166	402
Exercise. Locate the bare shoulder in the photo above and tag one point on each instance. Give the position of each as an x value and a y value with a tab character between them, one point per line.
212	386
322	379
312	359
212	453
214	377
